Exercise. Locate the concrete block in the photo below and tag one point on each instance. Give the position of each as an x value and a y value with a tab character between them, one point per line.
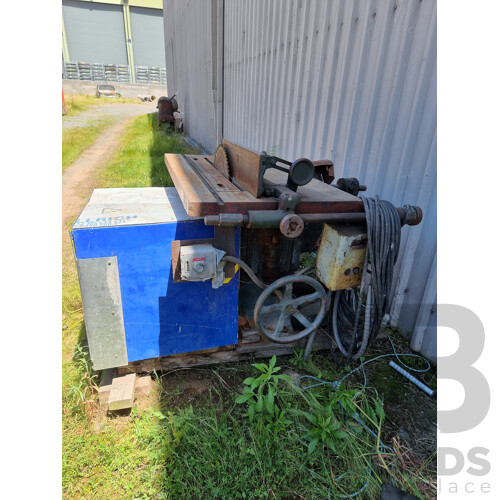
143	385
121	395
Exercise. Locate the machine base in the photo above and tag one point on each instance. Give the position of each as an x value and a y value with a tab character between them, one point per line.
227	354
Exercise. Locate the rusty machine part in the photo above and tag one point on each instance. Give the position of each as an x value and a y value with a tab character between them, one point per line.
324	171
410	215
350	185
282	208
167	106
205	191
247	168
221	162
274	320
292	226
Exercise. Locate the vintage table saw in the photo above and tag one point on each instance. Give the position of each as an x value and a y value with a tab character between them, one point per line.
211	271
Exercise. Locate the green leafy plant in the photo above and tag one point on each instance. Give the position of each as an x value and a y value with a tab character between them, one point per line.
260	394
325	429
347	400
358	403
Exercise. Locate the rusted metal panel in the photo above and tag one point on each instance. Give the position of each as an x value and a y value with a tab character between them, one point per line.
341	256
214	177
196	197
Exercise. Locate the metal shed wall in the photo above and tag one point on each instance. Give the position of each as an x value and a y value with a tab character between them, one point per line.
353	81
147	30
188	51
95	32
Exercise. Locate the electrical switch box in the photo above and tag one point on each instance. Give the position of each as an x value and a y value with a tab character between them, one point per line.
341	255
199	262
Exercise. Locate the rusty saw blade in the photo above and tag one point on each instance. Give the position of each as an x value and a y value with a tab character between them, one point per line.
221	162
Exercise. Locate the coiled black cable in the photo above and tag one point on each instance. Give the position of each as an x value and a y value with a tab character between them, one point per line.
349	312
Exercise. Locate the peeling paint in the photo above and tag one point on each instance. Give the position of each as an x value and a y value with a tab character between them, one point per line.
341	256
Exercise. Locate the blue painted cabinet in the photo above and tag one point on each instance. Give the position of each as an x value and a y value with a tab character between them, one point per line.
159	317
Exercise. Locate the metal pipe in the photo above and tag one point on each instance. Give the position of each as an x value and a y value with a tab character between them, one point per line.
409	214
338	217
411	378
226	220
309	345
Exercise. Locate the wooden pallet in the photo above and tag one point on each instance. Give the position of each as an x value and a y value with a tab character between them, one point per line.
244	350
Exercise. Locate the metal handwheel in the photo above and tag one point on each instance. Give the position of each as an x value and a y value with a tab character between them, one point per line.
274	321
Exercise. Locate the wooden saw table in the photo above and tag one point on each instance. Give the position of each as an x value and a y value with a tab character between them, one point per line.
205	191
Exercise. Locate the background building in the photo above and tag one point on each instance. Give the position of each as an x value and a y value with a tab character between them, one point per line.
352	81
115	40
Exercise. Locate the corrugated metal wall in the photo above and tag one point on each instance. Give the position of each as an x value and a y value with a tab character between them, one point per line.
352	81
188	51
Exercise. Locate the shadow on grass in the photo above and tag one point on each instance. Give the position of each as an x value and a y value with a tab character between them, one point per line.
165	140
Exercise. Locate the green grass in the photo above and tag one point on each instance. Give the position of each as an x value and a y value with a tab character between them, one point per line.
193	436
140	162
78	139
113	461
103	457
77	103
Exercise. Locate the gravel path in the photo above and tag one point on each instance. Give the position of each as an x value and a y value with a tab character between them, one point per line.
121	110
81	177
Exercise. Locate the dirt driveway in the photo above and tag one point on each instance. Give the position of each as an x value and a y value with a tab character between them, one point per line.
119	110
80	178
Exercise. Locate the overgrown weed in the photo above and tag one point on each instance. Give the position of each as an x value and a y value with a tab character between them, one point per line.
311	444
84	390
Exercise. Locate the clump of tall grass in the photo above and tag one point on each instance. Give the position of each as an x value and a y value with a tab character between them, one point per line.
140	162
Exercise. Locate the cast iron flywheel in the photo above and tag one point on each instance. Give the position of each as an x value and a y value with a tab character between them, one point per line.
274	321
